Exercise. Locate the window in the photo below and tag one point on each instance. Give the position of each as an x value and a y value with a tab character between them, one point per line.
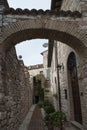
41	72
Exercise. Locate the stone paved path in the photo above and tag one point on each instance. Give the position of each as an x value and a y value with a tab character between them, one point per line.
36	122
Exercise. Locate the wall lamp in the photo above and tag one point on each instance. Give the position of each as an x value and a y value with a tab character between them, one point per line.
60	66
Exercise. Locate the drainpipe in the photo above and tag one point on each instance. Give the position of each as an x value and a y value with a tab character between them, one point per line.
58	79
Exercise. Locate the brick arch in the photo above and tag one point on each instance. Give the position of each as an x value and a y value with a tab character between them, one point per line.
50	28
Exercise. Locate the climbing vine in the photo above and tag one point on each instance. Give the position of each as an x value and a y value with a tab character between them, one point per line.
40	77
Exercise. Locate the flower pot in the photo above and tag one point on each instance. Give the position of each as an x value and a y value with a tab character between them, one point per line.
50	127
57	128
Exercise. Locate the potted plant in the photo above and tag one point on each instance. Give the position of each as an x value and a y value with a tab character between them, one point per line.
55	120
40	103
58	118
49	109
48	121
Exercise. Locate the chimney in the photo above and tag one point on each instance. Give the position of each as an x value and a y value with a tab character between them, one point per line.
3	4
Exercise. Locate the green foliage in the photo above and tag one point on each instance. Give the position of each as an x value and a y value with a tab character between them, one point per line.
52	117
40	103
48	107
41	78
47	103
48	120
41	93
55	95
46	90
56	119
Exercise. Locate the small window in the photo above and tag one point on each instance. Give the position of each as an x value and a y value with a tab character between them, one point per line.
65	90
55	80
41	72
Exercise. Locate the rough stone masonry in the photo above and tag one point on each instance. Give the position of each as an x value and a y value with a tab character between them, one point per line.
68	26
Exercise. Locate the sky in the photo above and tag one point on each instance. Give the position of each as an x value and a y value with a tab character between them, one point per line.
30	50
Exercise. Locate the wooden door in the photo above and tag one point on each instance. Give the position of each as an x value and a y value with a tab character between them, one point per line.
74	86
76	95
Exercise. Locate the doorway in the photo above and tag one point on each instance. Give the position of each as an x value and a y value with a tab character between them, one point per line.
74	86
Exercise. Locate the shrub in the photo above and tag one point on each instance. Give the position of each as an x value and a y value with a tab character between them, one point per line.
49	109
47	103
40	103
55	119
48	120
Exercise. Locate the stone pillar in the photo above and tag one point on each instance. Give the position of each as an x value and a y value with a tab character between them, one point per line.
73	5
83	4
82	77
3	4
3	113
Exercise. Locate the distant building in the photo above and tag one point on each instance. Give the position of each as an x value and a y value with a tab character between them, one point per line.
45	64
35	70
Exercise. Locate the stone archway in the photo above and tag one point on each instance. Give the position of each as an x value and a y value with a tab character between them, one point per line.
60	30
17	28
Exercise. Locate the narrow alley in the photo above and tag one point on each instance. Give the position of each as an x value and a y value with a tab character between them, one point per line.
48	92
36	122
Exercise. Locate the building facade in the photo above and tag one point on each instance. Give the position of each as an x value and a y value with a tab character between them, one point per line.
68	81
35	70
65	82
47	89
43	70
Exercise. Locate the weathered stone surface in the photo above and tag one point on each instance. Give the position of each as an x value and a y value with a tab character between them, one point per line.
67	106
14	102
68	26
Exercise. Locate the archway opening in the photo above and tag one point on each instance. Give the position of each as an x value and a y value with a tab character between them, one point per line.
74	88
31	50
28	34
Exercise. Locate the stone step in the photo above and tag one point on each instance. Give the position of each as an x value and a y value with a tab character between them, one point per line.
73	126
77	125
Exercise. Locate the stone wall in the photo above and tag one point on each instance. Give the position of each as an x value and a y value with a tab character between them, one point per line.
15	102
63	52
29	86
73	5
34	72
83	90
83	4
53	78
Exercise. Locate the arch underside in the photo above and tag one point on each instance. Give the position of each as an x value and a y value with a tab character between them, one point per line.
43	27
42	34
